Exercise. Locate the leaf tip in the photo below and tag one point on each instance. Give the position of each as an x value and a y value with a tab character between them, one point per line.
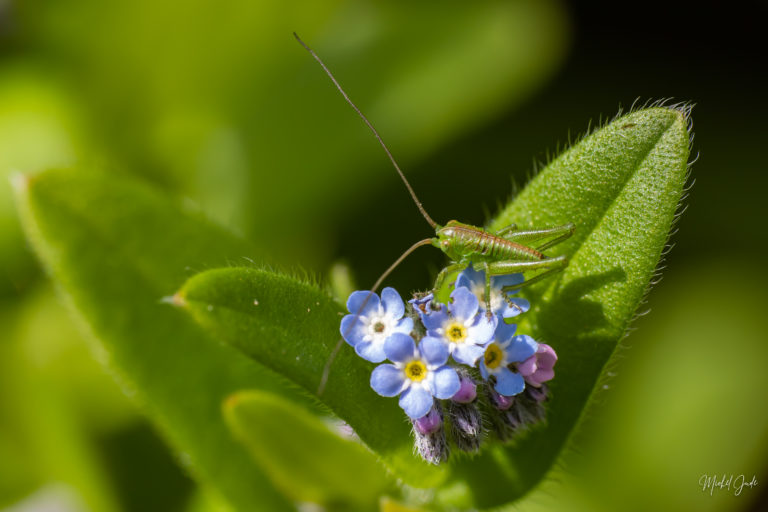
230	403
177	299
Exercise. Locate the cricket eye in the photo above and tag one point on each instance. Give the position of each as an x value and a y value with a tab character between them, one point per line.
446	244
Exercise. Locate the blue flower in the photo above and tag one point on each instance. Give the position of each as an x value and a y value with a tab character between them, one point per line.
505	350
423	304
463	327
372	321
501	303
417	375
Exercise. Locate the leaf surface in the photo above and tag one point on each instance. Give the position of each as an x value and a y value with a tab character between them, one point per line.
292	327
117	248
305	458
620	186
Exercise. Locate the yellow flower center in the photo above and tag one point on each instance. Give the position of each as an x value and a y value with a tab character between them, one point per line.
416	370
456	332
493	356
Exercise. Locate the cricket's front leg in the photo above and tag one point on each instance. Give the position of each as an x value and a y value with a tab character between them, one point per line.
551	265
443	275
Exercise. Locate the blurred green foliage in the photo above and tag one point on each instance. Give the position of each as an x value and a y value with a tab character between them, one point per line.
338	473
215	103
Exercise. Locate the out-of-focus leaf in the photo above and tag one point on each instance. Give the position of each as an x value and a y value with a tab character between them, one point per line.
44	439
303	456
620	186
292	328
39	128
117	248
205	501
55	348
389	505
227	108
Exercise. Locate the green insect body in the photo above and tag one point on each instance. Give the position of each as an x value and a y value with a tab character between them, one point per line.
498	253
501	253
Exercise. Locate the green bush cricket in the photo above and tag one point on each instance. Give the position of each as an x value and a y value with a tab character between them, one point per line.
500	253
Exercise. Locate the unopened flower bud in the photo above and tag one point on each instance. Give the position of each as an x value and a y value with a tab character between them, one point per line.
500	402
467	392
540	394
430	423
466	424
429	436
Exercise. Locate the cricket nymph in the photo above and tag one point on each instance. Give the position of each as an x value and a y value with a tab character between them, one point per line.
457	240
499	253
504	252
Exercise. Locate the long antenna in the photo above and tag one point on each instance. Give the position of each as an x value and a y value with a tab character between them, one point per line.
375	133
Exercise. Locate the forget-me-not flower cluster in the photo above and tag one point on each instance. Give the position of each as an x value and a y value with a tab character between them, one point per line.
441	356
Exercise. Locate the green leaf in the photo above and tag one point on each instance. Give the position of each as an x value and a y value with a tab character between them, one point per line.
40	128
620	186
293	327
305	458
117	248
210	120
682	389
46	377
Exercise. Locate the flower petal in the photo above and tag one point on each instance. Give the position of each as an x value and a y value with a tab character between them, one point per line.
483	370
507	280
504	333
469	277
527	367
464	305
445	382
387	380
363	303
352	329
509	383
546	356
481	332
370	351
521	348
422	305
434	351
393	304
405	325
434	320
541	376
467	354
416	402
520	306
399	347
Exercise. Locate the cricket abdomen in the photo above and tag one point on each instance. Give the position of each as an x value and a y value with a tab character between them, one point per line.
462	241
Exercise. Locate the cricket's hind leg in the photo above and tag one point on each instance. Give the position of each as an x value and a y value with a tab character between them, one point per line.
550	266
557	233
486	266
505	230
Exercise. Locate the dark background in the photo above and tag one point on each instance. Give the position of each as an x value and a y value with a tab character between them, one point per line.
712	55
